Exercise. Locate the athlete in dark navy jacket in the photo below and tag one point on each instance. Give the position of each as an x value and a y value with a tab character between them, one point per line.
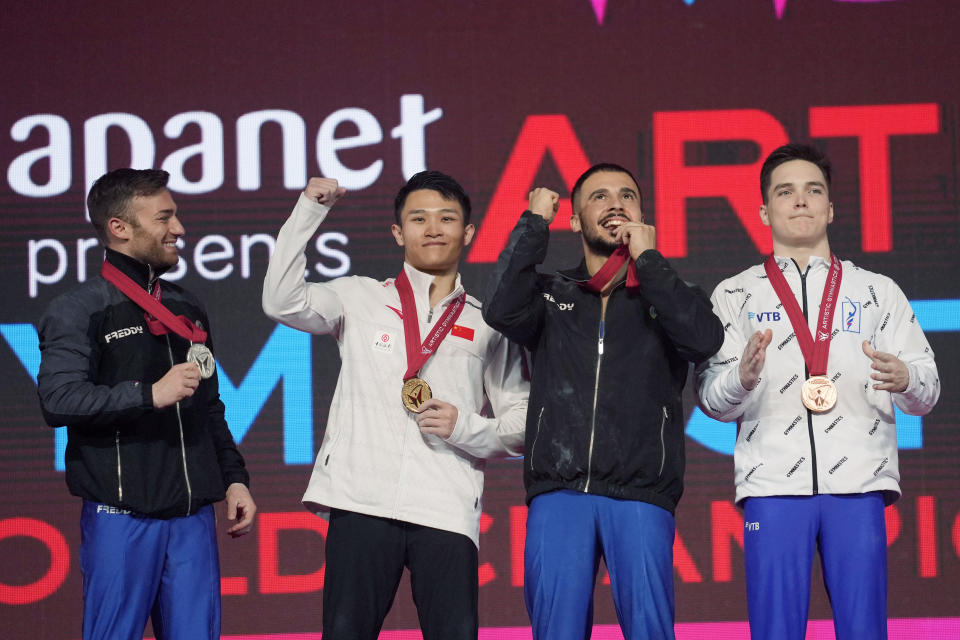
604	440
148	448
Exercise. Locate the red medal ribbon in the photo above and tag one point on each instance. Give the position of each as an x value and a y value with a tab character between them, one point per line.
610	268
815	351
160	320
417	354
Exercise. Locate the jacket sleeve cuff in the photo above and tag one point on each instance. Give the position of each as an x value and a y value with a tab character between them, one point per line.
734	389
456	436
146	392
651	258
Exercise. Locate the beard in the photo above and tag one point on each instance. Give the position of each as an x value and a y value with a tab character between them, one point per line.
150	251
598	242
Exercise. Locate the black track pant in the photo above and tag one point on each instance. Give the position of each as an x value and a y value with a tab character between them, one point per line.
365	557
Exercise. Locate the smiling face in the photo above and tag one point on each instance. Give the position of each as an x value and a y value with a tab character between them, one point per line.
606	200
798	207
432	232
150	231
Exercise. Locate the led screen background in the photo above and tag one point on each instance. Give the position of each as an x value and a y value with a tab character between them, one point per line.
242	103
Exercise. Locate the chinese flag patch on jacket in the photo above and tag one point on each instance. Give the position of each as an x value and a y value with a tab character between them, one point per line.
462	332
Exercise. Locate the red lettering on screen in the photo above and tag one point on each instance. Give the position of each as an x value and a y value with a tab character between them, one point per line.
726	525
894	523
55	574
926	536
268	534
872	126
683	562
675	181
486	572
518	533
237	586
955	535
540	135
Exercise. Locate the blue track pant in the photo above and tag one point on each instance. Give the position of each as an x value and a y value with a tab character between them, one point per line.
780	535
136	567
567	532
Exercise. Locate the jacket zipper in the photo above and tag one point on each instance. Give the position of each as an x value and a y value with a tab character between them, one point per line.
663	446
536	435
596	389
183	446
806	374
116	439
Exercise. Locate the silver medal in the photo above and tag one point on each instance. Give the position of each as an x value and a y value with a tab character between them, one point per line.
201	356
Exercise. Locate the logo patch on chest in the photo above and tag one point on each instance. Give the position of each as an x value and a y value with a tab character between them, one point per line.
383	340
851	315
123	333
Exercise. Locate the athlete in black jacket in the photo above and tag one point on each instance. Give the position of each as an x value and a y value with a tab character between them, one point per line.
605	428
148	448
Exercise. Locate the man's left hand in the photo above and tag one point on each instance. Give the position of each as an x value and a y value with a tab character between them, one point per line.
637	236
891	372
240	507
437	417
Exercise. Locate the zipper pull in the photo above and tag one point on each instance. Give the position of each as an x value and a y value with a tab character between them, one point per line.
429	315
600	342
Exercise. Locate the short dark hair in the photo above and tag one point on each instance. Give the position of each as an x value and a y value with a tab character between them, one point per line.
597	168
111	194
789	152
433	181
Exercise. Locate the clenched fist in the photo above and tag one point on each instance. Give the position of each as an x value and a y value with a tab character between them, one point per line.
326	191
544	203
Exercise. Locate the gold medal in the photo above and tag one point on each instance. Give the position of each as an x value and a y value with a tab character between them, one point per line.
819	394
415	392
201	356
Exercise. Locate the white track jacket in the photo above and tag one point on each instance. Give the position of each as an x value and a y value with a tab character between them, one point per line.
374	459
784	449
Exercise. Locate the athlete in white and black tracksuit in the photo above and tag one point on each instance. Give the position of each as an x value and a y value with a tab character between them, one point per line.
148	449
605	428
814	480
402	488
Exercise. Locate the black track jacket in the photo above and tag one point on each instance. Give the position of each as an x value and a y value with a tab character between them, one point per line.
605	414
98	365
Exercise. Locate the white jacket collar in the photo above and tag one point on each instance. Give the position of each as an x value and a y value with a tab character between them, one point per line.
815	262
420	283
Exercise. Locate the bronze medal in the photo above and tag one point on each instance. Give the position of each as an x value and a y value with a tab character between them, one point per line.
819	394
201	356
415	392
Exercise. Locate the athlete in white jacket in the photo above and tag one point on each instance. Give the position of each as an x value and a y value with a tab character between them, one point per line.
811	477
402	487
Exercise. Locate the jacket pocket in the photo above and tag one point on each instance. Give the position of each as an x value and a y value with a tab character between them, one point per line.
116	439
536	436
331	449
663	442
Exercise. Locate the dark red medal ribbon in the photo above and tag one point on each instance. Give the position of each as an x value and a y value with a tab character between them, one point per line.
418	354
610	268
815	351
160	320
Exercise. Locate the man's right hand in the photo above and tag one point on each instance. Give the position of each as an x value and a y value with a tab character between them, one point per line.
178	383
544	203
754	355
326	191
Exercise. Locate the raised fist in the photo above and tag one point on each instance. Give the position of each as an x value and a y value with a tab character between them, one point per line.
326	191
544	203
